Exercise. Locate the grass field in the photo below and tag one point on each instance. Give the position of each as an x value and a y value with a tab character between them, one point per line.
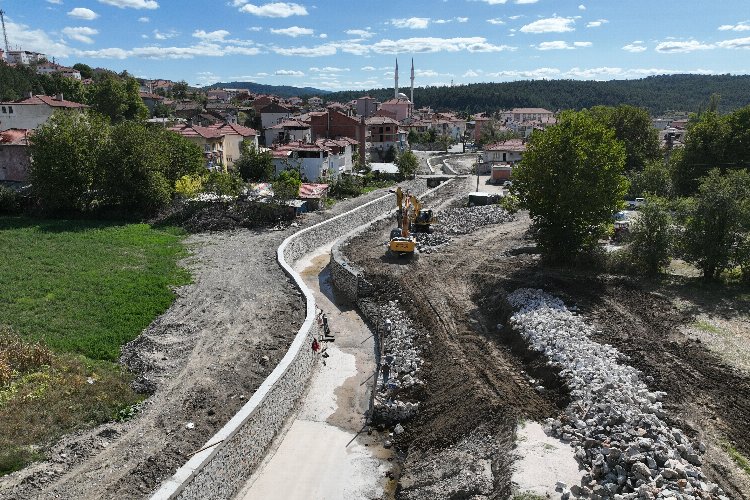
71	293
85	287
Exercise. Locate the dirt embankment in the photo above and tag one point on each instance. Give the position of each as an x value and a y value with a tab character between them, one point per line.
480	380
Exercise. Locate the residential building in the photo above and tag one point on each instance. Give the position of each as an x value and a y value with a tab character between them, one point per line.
24	57
315	102
340	154
33	111
273	114
310	160
527	115
288	131
234	135
502	157
366	106
313	194
14	155
48	68
210	140
187	109
384	132
332	124
401	107
151	100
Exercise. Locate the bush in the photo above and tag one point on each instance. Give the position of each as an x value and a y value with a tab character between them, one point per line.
509	203
286	186
10	201
652	237
223	183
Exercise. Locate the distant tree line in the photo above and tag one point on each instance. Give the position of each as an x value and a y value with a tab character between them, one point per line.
657	94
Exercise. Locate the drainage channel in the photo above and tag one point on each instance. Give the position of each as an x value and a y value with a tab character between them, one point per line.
326	451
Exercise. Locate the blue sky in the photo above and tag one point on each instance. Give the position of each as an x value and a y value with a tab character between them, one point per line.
352	44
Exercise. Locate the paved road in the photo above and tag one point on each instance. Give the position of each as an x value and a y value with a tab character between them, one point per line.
321	455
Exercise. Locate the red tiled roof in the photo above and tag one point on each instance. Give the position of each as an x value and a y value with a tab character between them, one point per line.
530	111
51	101
196	131
234	129
147	95
300	146
309	190
15	137
380	120
514	145
291	124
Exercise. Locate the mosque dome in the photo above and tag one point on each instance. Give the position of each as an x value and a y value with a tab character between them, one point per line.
401	95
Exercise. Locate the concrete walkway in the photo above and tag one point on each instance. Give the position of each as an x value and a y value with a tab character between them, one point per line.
325	452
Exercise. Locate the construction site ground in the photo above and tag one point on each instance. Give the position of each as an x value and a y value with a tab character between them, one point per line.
202	360
476	376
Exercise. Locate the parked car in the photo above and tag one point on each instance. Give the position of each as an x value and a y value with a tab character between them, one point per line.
635	204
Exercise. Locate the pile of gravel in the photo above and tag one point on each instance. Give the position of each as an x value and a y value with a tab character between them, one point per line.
614	422
403	358
457	221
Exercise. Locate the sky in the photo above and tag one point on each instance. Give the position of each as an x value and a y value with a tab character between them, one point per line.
353	44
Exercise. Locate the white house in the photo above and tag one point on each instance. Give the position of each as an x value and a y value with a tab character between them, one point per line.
34	111
273	114
234	135
312	161
510	151
289	130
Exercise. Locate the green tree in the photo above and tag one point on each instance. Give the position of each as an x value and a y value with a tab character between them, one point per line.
652	236
133	167
254	165
65	155
655	178
407	163
570	180
390	155
286	186
633	127
161	110
714	226
84	69
705	148
180	90
180	156
118	100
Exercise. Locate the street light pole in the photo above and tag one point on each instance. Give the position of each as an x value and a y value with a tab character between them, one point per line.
479	160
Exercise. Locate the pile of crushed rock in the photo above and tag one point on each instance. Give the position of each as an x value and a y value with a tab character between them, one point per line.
614	422
403	359
460	220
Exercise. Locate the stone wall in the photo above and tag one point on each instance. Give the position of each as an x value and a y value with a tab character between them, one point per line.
232	454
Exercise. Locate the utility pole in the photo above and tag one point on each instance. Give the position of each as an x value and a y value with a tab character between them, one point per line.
5	33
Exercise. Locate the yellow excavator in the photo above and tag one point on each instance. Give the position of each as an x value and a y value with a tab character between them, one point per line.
421	220
402	242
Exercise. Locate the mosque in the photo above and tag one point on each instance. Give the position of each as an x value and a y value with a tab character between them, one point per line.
401	106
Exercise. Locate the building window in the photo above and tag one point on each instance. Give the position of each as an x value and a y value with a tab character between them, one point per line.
3	109
10	109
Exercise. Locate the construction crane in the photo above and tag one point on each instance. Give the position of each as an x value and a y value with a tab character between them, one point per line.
5	33
402	242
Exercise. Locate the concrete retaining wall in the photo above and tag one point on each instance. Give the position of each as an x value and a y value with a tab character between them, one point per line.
233	453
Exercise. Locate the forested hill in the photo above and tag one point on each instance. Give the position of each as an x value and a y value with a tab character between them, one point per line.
279	90
658	94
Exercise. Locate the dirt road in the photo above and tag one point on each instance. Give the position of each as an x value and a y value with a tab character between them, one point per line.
479	382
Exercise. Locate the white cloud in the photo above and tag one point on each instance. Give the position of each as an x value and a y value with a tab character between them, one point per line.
367	68
143	19
318	51
159	35
132	4
329	69
521	2
525	74
202	49
323	35
83	13
496	21
255	28
635	47
561	45
426	73
550	25
462	19
470	74
80	34
360	33
416	23
293	31
676	46
56	2
737	43
433	44
513	18
275	9
494	2
743	26
596	24
36	40
581	7
211	36
288	72
442	21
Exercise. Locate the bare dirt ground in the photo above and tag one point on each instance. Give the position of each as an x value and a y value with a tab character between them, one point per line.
476	376
202	360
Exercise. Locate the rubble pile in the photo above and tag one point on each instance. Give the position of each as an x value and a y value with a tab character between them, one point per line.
461	220
464	220
400	361
614	422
